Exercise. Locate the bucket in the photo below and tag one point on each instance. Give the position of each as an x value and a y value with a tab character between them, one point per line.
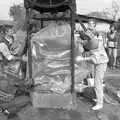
90	82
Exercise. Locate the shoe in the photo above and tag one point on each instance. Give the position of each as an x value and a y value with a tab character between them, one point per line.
113	68
6	112
95	100
97	107
103	85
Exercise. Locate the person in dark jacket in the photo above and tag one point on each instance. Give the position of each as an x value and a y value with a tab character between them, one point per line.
112	46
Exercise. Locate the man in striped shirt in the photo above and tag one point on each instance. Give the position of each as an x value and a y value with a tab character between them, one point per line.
5	53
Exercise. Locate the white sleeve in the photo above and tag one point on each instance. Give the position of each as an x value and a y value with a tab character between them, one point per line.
5	51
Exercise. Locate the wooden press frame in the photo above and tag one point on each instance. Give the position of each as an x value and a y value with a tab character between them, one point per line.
72	7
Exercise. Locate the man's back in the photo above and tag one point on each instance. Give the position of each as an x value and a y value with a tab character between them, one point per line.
100	53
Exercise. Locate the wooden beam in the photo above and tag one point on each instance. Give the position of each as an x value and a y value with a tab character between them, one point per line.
85	18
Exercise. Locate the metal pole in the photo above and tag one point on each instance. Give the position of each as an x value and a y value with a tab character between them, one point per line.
31	82
41	23
72	48
73	9
72	54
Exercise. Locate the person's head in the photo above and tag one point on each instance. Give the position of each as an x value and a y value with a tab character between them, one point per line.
91	24
117	26
10	32
9	36
3	30
10	39
112	28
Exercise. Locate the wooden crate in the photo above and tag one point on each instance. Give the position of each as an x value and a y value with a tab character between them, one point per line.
52	100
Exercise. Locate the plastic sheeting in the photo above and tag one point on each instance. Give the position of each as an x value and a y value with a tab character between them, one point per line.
51	59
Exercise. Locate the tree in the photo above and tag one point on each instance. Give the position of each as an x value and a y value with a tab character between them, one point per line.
18	13
114	11
98	15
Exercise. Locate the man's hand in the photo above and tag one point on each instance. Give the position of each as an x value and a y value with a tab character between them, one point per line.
89	59
14	58
79	58
24	58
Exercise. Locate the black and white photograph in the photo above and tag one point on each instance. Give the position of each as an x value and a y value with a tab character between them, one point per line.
60	60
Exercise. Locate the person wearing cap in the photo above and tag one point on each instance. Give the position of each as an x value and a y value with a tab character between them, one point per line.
98	57
6	41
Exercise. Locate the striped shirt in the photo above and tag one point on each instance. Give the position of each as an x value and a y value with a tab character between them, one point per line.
5	51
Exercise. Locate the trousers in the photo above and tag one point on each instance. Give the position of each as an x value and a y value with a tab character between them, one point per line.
112	54
100	70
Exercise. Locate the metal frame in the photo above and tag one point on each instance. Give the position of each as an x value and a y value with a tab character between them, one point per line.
73	18
72	7
31	81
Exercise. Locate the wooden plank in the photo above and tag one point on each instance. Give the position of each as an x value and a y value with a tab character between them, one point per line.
52	100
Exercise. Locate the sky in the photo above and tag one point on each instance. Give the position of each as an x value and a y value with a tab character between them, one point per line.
86	6
83	6
5	6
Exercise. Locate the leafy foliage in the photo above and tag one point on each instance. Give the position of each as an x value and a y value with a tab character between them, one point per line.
98	15
18	13
114	11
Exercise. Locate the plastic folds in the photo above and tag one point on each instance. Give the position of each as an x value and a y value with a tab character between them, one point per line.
51	59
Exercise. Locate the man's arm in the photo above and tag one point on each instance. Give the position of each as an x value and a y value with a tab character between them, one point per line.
6	53
84	42
90	59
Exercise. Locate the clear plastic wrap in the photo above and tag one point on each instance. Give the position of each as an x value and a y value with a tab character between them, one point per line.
51	59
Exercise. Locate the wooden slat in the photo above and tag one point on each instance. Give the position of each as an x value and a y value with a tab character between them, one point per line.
51	100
